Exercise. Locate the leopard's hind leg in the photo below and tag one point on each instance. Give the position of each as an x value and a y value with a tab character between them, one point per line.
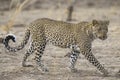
73	57
39	52
27	54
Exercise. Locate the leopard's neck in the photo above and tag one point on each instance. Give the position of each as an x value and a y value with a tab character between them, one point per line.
88	29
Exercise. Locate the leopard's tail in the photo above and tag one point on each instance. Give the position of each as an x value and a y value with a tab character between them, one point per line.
12	37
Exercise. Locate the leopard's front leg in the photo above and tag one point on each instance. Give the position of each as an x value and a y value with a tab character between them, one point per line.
86	51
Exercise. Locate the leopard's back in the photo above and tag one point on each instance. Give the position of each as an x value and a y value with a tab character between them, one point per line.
58	33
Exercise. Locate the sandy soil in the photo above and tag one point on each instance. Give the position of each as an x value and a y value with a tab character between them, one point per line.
107	52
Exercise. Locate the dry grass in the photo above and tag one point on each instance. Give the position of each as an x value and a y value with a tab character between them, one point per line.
6	27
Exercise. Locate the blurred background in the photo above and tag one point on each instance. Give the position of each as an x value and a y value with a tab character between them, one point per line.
48	4
15	14
25	11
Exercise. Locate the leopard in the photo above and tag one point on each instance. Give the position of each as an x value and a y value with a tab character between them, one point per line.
78	37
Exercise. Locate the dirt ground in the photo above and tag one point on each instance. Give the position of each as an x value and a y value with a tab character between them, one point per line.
107	52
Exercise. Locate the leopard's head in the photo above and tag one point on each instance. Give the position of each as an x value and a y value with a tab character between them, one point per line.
100	29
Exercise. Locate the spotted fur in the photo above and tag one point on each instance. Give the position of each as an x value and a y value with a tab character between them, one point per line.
78	37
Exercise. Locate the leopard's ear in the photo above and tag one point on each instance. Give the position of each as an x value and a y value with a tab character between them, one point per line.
94	22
